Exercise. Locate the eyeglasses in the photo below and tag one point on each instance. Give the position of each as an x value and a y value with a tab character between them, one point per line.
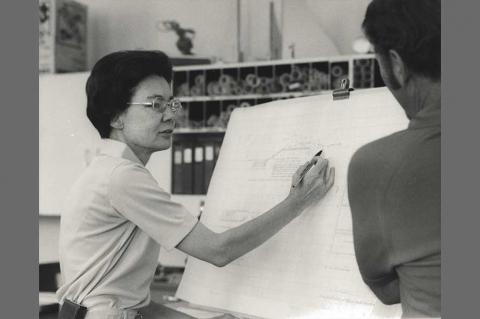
160	105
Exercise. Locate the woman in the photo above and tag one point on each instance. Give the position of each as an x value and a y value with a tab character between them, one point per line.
117	216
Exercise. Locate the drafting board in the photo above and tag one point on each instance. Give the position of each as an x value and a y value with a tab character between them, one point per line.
307	270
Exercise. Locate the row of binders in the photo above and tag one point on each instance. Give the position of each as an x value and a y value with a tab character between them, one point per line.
193	160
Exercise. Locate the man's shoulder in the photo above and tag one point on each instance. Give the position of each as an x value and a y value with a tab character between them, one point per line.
371	169
392	151
381	152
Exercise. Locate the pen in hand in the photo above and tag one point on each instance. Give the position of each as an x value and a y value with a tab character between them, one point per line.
305	170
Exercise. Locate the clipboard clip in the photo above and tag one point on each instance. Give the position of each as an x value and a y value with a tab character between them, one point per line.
344	91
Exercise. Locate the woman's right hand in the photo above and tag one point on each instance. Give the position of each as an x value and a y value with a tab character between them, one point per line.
315	184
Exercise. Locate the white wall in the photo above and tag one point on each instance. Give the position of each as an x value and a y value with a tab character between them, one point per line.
341	20
255	27
302	28
48	233
317	27
322	27
66	137
127	24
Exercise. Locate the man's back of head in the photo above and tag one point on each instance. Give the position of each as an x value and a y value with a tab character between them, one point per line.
410	27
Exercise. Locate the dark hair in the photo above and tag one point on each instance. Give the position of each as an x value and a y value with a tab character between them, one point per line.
113	80
410	27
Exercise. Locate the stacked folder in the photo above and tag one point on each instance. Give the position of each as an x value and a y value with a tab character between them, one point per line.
194	158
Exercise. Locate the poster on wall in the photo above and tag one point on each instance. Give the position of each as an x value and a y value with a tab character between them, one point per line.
62	36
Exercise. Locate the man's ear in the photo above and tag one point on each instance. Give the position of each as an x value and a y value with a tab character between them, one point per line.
399	68
117	122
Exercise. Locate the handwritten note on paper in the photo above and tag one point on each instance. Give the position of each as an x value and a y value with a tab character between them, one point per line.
307	270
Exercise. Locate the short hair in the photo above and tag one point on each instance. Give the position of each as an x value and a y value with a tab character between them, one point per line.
410	27
113	80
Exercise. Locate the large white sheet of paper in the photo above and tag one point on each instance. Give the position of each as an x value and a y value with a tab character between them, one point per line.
308	269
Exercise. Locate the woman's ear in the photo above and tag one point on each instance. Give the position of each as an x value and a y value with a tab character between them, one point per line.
117	122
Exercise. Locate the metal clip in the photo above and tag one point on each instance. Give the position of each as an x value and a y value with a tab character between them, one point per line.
344	91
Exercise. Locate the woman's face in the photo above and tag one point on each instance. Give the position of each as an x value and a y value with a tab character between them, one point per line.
144	129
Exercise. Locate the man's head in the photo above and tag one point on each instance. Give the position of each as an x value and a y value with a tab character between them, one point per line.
114	80
406	35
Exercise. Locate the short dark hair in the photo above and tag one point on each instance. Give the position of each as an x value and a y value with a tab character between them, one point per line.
410	27
113	80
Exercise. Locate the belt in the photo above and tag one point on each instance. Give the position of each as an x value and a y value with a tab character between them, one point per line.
111	313
72	310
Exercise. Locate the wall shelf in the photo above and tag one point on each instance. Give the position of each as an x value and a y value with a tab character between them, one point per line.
206	98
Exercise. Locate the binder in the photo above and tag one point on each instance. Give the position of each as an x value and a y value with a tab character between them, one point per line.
187	169
209	164
177	177
198	171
